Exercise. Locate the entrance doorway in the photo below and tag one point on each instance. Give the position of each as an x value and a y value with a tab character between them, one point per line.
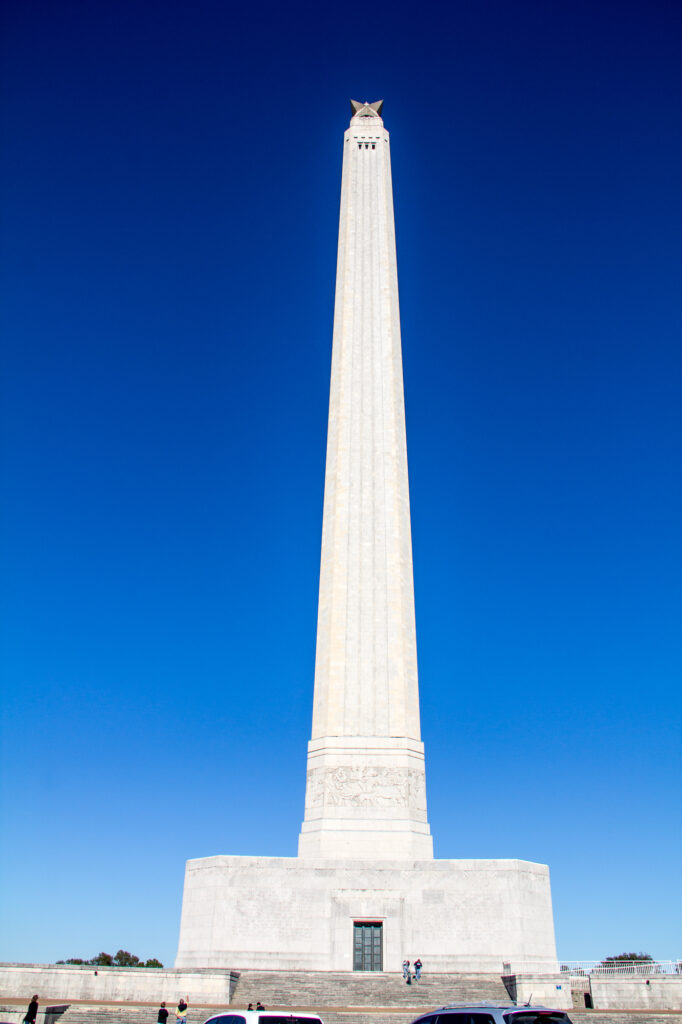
367	946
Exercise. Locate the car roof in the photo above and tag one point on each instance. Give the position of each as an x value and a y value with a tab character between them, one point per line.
252	1016
490	1006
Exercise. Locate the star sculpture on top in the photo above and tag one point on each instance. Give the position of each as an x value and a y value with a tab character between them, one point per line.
366	109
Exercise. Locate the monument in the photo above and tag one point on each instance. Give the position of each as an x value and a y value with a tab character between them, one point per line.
365	890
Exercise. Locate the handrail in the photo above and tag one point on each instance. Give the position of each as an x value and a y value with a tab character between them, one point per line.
600	968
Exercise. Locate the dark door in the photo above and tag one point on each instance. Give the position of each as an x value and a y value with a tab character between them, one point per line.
367	942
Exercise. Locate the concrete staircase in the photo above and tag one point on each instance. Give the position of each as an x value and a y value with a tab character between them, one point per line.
375	989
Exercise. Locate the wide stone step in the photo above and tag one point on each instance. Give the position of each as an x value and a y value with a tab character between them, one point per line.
88	1013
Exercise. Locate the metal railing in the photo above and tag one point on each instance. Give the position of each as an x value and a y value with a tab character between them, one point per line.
621	968
600	968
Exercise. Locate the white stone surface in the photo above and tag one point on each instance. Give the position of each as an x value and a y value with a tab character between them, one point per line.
114	984
655	993
288	913
552	990
366	792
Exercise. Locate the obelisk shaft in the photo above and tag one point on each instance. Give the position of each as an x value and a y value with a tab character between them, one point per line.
365	794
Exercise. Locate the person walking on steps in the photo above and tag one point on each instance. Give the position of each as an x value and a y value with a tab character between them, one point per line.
406	969
32	1011
417	969
163	1014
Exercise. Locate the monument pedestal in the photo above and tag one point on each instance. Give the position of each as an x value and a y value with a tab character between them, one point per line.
291	913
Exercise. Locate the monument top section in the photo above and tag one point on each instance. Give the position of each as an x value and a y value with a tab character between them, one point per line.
366	109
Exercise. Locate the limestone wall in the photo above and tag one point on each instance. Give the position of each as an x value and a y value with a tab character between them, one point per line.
662	993
115	984
547	989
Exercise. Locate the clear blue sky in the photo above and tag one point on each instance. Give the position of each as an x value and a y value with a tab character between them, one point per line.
170	184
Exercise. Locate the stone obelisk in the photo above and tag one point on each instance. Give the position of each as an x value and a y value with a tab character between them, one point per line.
365	890
365	794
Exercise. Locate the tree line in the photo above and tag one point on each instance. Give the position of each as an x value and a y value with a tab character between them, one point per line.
638	958
121	959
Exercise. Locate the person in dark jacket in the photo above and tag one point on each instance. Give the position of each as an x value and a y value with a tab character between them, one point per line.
32	1011
163	1014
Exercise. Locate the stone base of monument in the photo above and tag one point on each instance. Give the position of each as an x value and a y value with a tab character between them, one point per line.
457	916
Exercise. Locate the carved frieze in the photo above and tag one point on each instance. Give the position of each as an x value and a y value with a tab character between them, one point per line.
366	786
